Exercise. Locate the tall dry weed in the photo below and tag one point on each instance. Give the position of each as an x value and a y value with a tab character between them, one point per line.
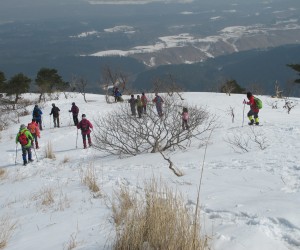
90	179
49	151
159	219
7	227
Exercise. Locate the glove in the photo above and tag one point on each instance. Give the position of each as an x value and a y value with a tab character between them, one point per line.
244	102
69	110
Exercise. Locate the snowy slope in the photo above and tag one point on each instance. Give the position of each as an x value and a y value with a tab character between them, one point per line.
249	200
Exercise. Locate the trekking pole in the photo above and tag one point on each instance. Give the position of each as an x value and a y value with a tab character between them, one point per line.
243	114
37	159
16	154
50	121
76	138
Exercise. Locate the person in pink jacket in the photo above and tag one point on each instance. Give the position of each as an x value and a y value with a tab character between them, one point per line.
85	125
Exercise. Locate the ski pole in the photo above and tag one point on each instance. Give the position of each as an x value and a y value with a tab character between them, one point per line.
50	121
243	114
16	153
37	159
76	138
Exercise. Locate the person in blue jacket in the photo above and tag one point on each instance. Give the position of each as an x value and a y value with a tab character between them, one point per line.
37	115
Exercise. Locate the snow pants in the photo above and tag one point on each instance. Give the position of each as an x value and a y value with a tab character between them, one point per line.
25	151
84	139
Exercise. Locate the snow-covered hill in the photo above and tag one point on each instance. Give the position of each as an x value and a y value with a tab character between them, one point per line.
249	200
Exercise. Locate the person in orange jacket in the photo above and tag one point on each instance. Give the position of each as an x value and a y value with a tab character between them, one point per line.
33	127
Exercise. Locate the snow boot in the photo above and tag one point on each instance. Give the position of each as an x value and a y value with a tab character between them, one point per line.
251	122
256	121
24	163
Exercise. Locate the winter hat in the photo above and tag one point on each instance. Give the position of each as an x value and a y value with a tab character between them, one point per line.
33	120
83	116
36	106
22	126
53	104
73	103
249	94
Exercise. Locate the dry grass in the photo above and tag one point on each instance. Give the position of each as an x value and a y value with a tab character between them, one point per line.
45	196
66	159
7	227
123	202
3	173
49	151
73	243
89	178
157	220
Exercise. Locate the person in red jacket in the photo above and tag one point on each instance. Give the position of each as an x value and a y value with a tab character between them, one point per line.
85	125
75	111
253	109
33	127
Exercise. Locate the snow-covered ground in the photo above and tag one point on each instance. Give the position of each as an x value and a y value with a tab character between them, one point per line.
249	200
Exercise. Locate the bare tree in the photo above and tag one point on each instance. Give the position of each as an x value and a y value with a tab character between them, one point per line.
168	85
121	133
112	79
80	84
278	91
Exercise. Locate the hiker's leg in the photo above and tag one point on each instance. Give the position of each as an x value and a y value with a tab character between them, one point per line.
24	155
89	139
84	140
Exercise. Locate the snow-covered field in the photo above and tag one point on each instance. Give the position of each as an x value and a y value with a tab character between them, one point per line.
249	200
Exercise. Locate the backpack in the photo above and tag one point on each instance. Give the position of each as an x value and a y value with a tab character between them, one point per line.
185	116
258	102
23	139
36	113
84	126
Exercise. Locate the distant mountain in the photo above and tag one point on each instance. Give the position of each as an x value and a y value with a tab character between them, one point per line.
260	67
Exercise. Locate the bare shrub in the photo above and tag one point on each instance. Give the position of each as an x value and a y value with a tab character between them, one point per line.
49	151
89	178
230	111
244	141
121	133
7	227
159	219
289	105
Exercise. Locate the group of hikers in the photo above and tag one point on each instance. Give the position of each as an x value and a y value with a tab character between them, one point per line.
28	136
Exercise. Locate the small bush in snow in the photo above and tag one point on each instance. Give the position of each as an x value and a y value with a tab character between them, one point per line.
121	133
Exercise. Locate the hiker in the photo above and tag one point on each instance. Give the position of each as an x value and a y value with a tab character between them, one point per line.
144	101
158	103
139	105
118	95
132	102
55	112
37	115
75	111
185	118
253	109
33	128
24	137
85	126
